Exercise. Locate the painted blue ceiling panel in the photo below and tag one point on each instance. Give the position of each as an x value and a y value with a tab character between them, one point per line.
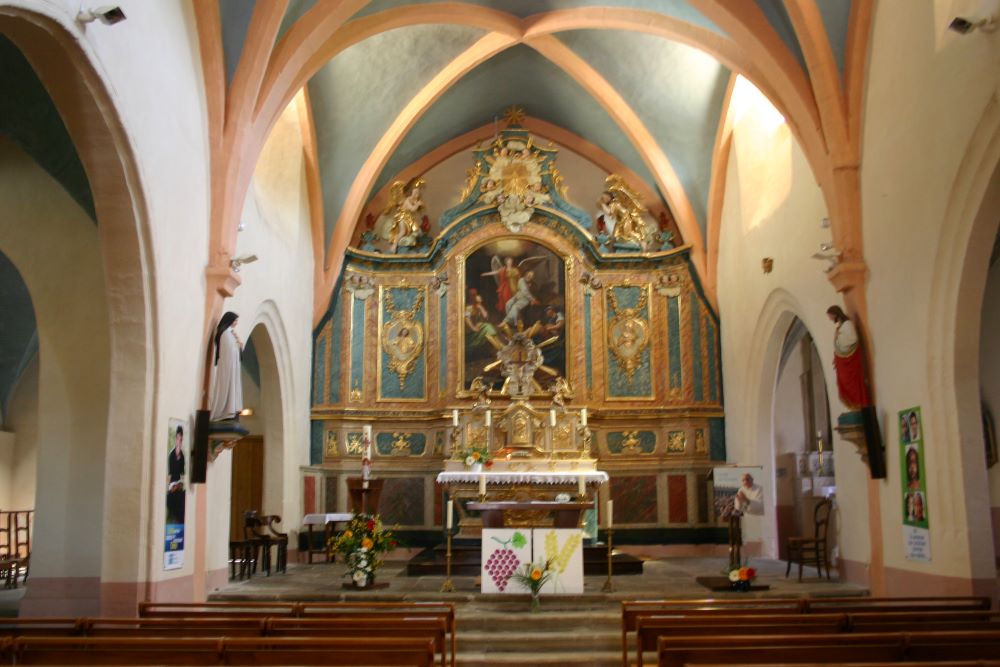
18	339
30	118
235	17
776	15
676	90
296	10
517	76
677	8
358	94
837	21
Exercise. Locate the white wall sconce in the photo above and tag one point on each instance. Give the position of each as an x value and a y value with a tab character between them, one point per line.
963	26
236	262
108	15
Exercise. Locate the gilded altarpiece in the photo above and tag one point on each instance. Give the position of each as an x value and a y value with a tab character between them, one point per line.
407	333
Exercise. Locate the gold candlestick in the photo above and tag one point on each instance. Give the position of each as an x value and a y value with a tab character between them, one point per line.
608	586
448	586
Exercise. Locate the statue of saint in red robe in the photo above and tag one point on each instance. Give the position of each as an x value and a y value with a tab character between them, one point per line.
848	361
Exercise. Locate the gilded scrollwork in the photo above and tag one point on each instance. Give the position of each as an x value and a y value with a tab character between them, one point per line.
401	445
628	333
676	442
355	444
403	336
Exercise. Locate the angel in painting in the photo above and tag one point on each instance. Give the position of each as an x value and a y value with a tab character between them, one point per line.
508	276
399	224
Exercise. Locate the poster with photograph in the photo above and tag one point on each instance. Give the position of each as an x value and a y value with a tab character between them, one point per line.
173	544
916	523
738	489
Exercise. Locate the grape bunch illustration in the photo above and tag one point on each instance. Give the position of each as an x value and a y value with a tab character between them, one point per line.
503	562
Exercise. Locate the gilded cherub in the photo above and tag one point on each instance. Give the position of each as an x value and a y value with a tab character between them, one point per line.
399	223
623	214
560	391
479	388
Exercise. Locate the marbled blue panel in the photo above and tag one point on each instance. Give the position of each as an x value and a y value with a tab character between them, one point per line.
357	344
319	372
641	382
443	336
336	336
315	442
674	343
647	442
698	381
413	386
717	438
711	353
384	444
587	341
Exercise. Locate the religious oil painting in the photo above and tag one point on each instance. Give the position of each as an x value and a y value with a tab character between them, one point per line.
512	285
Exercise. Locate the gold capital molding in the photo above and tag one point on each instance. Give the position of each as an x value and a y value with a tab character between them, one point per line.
848	275
222	279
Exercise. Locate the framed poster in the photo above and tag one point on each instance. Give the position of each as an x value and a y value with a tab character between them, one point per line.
510	284
738	489
176	501
562	549
916	512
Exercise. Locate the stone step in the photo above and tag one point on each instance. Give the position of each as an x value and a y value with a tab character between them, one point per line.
575	640
545	619
509	658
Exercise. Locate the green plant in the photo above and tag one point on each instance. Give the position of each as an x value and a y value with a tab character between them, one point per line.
363	543
533	576
477	454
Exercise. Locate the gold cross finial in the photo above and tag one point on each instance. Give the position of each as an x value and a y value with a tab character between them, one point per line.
513	116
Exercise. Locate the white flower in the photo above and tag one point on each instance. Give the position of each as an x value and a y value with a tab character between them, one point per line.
734	575
360	577
469	460
362	564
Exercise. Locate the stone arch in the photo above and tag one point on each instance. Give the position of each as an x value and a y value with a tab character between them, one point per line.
65	65
958	284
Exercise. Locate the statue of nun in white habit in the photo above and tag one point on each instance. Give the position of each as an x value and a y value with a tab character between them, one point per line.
227	392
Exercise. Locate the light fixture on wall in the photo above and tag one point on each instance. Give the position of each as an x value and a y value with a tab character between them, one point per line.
964	26
767	264
236	262
828	252
108	15
246	412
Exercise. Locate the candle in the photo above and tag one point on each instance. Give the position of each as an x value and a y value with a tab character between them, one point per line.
581	486
583	416
552	417
364	484
482	485
448	518
611	513
368	432
454	417
489	418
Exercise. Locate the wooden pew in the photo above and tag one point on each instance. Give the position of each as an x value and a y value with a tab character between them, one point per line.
828	648
15	627
649	629
904	621
859	604
228	609
212	626
369	625
932	663
216	651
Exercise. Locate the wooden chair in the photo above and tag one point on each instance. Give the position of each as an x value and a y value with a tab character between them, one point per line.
258	543
279	539
812	550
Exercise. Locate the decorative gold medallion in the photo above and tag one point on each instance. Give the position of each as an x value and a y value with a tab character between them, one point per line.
401	445
628	333
402	337
630	443
355	445
331	444
676	442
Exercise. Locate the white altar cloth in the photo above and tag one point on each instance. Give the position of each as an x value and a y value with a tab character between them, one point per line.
321	519
591	477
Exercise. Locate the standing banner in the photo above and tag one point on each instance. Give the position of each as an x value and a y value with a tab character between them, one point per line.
173	543
916	524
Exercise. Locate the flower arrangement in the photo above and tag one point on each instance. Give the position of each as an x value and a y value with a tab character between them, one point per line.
741	578
363	543
477	454
533	576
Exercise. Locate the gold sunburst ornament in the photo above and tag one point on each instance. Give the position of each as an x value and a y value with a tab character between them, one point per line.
513	115
628	334
403	336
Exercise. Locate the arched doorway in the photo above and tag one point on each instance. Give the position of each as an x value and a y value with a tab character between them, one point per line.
803	460
86	559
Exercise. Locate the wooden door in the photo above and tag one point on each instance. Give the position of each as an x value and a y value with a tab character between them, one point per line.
248	482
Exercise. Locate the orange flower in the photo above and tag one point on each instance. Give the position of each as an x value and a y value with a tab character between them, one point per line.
367	543
476	456
744	574
536	574
348	534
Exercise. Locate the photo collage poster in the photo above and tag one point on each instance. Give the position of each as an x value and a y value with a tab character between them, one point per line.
178	434
916	513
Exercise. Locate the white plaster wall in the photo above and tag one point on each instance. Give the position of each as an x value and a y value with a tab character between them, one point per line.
789	424
773	208
920	114
277	291
23	422
55	247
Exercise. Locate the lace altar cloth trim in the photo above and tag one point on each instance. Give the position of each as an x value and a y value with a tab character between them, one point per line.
493	478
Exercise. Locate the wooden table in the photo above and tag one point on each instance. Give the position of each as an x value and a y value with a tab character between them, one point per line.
328	520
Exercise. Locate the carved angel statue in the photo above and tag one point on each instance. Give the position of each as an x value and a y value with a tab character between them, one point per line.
479	388
622	215
560	391
399	223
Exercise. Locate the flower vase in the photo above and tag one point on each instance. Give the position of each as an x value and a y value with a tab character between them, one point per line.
476	467
367	582
535	602
741	586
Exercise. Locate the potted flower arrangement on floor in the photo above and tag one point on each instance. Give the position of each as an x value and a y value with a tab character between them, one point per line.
533	576
741	578
363	544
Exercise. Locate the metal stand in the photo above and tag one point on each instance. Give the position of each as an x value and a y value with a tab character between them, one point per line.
448	586
608	586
